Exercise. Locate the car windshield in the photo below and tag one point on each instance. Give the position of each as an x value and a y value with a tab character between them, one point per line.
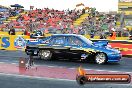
89	42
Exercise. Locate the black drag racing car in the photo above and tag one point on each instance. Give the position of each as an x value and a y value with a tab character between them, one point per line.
72	46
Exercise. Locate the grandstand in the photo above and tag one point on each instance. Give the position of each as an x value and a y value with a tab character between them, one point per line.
125	7
55	21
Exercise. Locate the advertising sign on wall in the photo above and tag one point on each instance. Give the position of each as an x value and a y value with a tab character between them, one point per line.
19	42
13	42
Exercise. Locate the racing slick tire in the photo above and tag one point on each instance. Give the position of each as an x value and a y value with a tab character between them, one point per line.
45	54
100	58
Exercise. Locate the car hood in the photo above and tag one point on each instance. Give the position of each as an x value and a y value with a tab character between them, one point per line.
101	43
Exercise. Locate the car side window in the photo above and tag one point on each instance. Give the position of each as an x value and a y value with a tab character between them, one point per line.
75	41
46	40
59	41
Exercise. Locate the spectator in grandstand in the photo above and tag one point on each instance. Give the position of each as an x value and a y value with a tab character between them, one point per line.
12	31
25	32
83	11
113	34
125	33
130	37
102	36
55	21
32	26
92	35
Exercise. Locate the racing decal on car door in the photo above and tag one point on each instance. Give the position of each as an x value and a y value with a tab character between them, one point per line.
89	50
84	49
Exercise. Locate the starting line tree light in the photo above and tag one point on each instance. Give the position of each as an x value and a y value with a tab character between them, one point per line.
22	63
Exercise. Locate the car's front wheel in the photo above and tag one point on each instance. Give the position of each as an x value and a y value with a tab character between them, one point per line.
45	54
100	58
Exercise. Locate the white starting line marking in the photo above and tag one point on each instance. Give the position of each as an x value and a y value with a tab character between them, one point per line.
74	68
7	63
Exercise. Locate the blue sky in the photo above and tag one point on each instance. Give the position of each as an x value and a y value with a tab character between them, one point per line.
101	5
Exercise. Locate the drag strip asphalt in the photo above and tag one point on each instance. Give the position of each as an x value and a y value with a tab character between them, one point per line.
15	81
14	78
125	65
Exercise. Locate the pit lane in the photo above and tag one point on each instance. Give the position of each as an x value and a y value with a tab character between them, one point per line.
123	66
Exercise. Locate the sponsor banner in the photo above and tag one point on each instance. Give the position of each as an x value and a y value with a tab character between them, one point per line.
13	42
19	42
104	78
83	77
125	46
126	49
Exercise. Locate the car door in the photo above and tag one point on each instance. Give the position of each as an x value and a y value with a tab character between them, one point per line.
58	44
75	49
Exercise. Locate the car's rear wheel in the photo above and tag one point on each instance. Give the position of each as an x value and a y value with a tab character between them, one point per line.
45	54
100	58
